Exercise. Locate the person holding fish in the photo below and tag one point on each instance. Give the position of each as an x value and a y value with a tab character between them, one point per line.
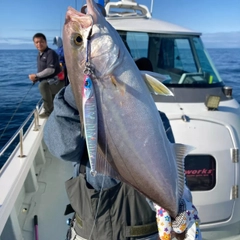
48	68
129	182
130	209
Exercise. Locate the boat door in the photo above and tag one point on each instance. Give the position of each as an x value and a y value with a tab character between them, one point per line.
210	168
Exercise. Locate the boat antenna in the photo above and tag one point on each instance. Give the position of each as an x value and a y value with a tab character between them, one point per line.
151	10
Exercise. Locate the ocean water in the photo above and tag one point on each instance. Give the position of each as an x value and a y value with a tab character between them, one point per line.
17	94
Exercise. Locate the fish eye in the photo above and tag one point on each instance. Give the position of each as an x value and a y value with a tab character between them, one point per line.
78	39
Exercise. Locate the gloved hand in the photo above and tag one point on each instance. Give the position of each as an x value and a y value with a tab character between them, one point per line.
187	221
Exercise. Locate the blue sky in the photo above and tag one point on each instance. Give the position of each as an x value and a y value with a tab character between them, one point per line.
218	20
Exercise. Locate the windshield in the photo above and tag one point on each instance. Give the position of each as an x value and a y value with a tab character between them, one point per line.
177	60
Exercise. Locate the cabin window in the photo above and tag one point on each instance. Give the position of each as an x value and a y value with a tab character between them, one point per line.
136	43
184	59
200	171
175	55
181	60
207	66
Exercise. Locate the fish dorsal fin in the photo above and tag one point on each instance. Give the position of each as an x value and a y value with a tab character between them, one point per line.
181	152
155	86
104	167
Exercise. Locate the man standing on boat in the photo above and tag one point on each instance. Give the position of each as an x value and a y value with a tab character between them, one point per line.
48	68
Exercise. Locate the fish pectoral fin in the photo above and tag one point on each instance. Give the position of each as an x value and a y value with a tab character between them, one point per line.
155	86
181	152
104	167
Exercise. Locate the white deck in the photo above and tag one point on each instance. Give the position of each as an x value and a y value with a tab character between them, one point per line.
34	185
45	197
49	202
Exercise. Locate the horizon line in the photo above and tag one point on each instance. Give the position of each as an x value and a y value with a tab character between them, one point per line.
218	47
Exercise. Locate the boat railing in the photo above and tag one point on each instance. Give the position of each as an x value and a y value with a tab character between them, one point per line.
19	132
127	9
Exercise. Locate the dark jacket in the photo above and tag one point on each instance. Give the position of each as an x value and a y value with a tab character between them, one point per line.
123	213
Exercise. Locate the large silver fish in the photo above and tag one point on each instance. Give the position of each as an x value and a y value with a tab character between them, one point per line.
131	137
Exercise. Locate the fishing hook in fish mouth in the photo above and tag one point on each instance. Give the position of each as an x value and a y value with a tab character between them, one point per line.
90	31
88	68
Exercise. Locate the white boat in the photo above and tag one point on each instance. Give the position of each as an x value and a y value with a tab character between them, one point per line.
202	113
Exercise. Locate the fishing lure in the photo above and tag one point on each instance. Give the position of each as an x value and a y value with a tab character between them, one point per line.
90	121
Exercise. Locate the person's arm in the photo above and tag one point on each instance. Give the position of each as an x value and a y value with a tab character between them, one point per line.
62	133
45	73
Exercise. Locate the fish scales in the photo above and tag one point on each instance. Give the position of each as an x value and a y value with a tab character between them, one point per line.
129	126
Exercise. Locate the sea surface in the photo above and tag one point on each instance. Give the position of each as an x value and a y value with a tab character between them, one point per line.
18	96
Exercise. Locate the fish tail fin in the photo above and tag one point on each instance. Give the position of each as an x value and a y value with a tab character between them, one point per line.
181	152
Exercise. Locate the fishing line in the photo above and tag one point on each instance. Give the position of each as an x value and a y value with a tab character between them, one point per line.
100	194
15	111
88	71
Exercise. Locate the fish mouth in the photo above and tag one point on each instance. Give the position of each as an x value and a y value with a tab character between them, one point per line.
73	19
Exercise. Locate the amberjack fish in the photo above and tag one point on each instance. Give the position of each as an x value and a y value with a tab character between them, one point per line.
131	141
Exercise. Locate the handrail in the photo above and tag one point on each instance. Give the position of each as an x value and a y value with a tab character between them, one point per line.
19	131
127	4
9	142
